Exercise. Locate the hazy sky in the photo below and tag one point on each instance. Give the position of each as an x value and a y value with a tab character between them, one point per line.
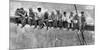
89	9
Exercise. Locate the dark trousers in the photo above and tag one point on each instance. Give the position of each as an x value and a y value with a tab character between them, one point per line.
35	23
55	24
65	24
60	24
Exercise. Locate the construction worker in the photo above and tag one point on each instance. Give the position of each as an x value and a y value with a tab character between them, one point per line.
82	25
59	20
45	19
76	22
31	18
64	19
55	19
70	20
40	16
51	19
83	21
22	15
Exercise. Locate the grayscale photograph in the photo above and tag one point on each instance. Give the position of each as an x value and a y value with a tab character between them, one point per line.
35	24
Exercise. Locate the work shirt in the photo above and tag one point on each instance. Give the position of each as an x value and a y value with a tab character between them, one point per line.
64	18
39	15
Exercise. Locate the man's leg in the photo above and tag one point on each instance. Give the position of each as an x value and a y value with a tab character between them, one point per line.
36	22
23	23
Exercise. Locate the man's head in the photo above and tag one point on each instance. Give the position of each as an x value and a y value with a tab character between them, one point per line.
58	11
39	9
64	13
17	9
71	13
82	12
21	8
30	9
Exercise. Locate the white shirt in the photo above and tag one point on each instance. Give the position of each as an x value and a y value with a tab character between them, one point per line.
64	18
40	14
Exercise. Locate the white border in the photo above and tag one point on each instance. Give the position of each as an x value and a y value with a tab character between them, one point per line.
4	24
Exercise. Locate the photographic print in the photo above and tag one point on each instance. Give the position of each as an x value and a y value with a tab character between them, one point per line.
43	24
